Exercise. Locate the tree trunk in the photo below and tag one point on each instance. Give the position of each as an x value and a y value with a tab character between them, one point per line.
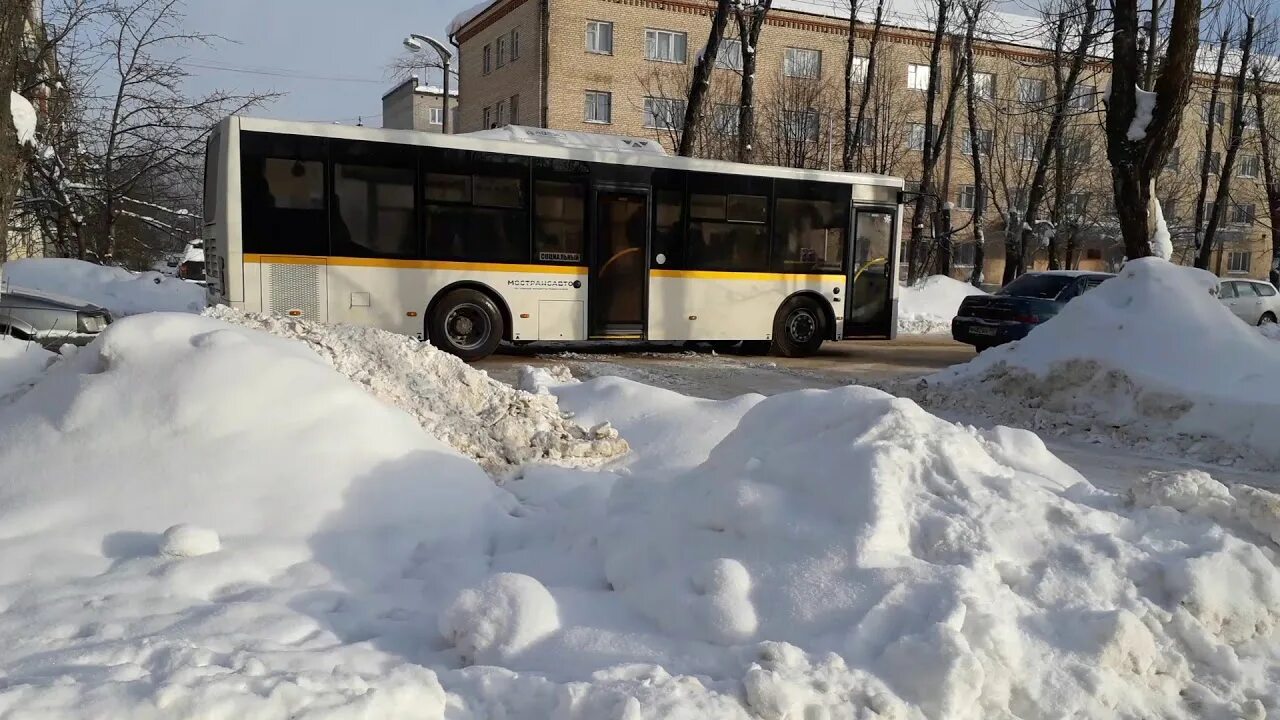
1136	161
750	22
859	125
1197	230
945	251
975	149
1233	148
693	111
1270	181
915	260
849	146
1153	32
1035	195
13	18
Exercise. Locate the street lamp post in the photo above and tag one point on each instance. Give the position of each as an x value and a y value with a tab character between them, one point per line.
414	44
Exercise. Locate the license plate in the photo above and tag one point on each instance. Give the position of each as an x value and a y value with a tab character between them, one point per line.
980	330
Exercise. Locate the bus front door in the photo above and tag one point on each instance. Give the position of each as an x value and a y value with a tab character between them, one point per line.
616	290
868	306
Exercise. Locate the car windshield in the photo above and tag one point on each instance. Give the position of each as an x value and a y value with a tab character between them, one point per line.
1035	285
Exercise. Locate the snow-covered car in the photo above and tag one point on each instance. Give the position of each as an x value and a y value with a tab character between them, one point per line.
1254	301
191	268
985	321
48	319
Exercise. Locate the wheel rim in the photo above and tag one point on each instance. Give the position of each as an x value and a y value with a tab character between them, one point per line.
467	326
802	325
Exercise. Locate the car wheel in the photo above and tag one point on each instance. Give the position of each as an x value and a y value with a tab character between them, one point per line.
466	323
799	328
1267	317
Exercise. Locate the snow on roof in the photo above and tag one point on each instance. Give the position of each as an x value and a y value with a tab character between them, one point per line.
569	138
467	16
435	90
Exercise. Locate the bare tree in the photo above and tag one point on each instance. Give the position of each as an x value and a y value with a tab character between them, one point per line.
1271	177
1087	36
1136	149
13	20
973	12
717	132
1211	121
750	15
798	109
855	141
694	110
1238	105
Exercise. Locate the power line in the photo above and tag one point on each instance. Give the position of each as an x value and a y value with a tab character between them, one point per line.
283	73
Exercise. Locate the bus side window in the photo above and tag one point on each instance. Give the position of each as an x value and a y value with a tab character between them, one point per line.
373	206
809	229
282	195
559	221
728	232
475	207
668	246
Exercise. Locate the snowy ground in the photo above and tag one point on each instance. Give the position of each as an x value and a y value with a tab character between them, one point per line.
269	518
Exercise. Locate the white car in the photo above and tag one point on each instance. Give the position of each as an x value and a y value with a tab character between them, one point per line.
1254	301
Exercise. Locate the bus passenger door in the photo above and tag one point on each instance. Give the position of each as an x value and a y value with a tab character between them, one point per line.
619	260
869	310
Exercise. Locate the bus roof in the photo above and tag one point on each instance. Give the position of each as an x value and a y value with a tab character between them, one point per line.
615	157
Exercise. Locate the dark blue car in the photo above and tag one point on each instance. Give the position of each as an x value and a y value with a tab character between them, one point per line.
985	321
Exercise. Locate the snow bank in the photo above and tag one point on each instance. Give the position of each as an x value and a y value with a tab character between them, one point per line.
824	554
929	306
1150	357
21	364
24	118
487	420
118	290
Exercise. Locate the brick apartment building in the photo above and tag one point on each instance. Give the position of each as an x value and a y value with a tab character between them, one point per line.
412	105
621	66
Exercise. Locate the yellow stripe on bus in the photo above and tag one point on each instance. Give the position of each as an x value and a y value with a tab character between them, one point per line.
724	275
415	264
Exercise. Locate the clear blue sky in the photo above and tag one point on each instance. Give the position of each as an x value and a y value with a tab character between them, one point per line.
318	38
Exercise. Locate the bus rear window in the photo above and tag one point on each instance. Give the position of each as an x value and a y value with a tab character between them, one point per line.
211	178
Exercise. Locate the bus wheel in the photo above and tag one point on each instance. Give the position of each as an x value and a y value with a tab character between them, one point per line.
798	328
466	323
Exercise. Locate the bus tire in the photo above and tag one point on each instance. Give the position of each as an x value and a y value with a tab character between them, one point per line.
466	323
799	328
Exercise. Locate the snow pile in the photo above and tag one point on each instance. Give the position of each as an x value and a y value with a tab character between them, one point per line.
929	306
1270	330
21	364
487	420
118	290
1151	357
819	554
24	118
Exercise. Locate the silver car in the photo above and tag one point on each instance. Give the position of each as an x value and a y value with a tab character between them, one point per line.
1254	301
51	320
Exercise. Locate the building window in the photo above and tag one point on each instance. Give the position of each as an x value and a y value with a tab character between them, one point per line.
513	107
600	37
1173	160
800	125
726	119
1243	214
1028	147
916	135
1076	204
729	55
1031	90
488	118
1239	261
963	254
500	113
918	77
970	198
663	113
1208	211
858	69
1217	112
501	50
435	116
911	187
488	60
984	84
1250	115
1249	165
1085	98
1212	160
665	46
1079	151
515	44
802	63
985	138
599	107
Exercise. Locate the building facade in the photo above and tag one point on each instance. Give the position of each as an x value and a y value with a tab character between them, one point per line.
412	105
623	66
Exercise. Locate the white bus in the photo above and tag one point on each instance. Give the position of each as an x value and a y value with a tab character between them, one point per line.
469	242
